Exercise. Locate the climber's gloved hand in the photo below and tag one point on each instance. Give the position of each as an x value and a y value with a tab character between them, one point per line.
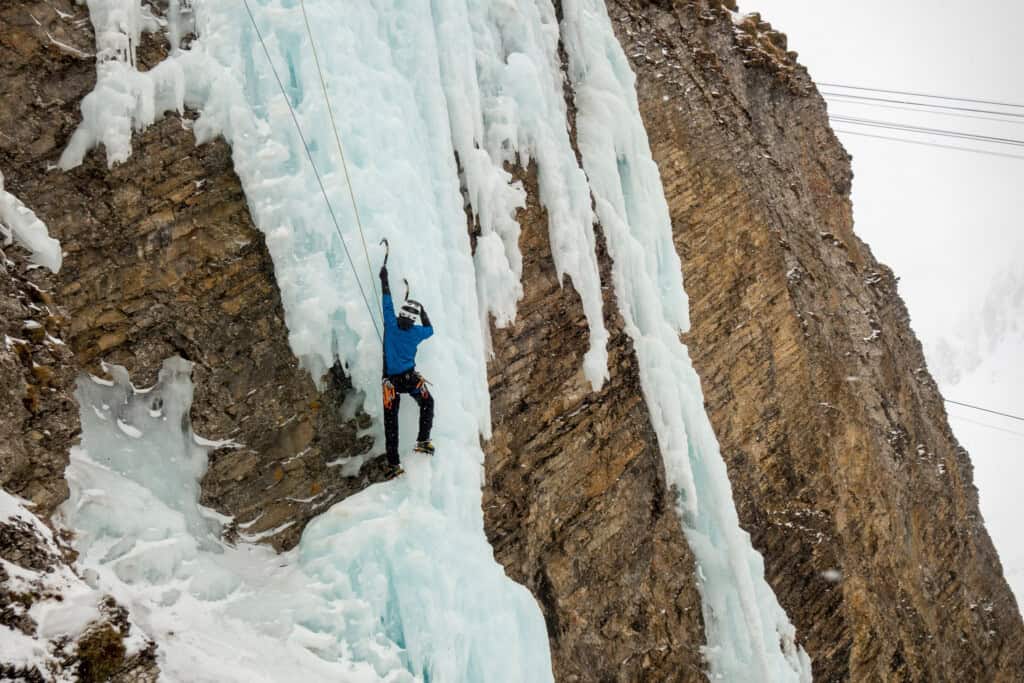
384	280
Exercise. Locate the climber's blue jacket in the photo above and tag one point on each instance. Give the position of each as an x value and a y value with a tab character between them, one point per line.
400	345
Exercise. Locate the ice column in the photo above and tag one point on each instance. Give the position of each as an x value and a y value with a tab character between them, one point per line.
749	636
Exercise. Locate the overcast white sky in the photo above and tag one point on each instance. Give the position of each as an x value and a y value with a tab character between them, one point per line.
949	223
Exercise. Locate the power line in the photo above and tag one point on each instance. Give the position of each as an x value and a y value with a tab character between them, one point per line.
930	144
936	109
928	131
843	118
975	117
987	410
920	94
988	426
316	172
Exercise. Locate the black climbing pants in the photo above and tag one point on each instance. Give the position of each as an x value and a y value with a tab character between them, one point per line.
409	382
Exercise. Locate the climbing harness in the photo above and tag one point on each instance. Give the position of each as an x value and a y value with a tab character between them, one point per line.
421	386
389	393
319	179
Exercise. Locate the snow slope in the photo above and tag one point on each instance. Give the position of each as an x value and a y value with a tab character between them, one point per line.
386	589
399	581
61	606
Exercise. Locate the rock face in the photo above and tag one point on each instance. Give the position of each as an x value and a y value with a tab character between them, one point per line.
845	471
162	258
36	621
38	421
575	503
844	467
38	417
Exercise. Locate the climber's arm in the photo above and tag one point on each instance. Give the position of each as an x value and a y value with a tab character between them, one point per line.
387	305
427	330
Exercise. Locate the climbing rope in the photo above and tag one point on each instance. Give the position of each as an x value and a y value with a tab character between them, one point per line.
316	172
341	149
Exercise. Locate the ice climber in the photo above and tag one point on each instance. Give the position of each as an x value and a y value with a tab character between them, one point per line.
401	337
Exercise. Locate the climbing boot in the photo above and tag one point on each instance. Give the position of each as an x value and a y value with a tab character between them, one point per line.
392	471
424	447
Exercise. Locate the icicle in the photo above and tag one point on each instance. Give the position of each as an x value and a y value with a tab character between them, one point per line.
749	635
124	99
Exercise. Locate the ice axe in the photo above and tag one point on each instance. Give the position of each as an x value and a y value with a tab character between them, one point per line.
387	253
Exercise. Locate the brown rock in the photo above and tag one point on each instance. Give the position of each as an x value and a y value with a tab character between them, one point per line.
576	504
856	492
38	418
109	341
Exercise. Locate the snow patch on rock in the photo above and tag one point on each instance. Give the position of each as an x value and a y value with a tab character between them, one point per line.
18	222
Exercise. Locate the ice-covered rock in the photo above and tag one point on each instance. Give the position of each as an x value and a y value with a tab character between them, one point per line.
402	580
749	636
385	586
20	223
50	613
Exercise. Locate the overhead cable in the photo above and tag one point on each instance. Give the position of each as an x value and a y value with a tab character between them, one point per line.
920	94
922	105
986	410
842	118
986	425
922	143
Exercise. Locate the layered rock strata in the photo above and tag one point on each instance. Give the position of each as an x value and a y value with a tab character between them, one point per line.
844	468
38	424
575	501
843	464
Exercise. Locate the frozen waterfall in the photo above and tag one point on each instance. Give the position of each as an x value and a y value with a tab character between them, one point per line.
398	582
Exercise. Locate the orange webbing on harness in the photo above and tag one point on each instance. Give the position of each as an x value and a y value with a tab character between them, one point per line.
422	386
389	393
